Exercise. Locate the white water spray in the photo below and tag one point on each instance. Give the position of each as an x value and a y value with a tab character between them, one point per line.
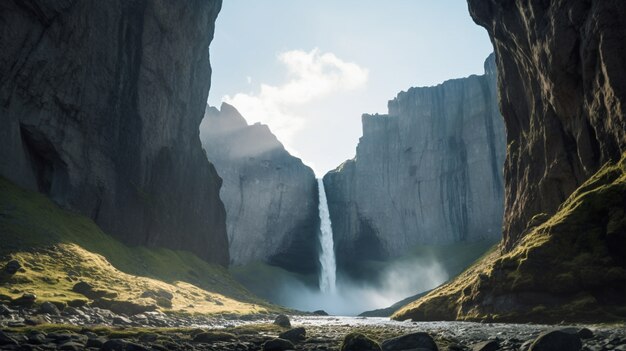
327	256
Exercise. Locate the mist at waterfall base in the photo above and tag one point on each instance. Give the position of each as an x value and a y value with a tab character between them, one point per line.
377	284
346	297
396	282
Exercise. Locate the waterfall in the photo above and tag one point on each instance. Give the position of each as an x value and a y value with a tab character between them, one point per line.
327	254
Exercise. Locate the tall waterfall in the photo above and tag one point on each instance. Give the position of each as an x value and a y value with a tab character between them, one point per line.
327	255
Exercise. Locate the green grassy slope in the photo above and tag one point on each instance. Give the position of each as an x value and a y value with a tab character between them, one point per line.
571	266
58	248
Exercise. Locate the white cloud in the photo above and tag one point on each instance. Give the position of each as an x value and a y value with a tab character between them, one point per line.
312	76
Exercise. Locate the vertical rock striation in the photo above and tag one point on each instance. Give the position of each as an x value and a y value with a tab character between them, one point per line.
561	77
428	172
100	103
562	85
269	195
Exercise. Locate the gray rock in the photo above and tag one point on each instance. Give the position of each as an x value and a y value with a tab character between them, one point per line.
428	172
294	335
556	340
37	338
489	345
5	310
410	341
283	321
213	336
95	342
121	345
6	339
278	345
585	333
71	346
101	105
270	196
12	267
121	320
27	299
49	308
359	342
87	290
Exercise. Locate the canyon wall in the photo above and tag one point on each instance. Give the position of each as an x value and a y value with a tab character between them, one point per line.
270	196
428	172
100	104
562	83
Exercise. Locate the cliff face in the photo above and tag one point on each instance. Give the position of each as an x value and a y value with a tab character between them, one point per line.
563	88
562	85
100	104
269	195
428	172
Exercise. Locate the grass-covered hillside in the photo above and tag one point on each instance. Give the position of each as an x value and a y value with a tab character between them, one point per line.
571	266
58	249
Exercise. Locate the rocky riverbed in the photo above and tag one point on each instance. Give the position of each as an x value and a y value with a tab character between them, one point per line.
89	328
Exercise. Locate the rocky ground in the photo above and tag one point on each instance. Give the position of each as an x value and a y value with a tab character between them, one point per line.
90	328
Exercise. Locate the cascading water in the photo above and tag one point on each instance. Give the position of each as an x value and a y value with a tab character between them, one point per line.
327	255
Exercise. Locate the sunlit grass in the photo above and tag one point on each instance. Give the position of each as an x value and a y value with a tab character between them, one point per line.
568	257
58	248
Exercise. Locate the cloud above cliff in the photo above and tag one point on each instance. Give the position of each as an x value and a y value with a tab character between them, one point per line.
311	77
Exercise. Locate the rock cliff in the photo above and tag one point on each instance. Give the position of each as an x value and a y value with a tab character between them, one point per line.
562	83
100	104
269	195
429	172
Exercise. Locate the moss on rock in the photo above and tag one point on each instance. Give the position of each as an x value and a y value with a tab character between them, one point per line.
570	266
58	249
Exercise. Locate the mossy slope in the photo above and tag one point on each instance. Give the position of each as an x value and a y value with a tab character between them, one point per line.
571	266
57	249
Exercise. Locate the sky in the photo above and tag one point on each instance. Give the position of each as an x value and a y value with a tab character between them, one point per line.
310	68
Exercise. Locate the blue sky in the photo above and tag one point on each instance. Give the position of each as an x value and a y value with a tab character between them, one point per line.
309	69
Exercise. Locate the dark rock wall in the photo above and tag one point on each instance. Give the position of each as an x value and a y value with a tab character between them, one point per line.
270	196
562	83
429	172
100	103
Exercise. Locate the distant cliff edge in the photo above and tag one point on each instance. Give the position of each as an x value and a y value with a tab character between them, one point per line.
428	172
270	195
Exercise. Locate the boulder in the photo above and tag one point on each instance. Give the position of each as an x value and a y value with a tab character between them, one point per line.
283	321
294	335
585	333
27	299
359	342
489	345
12	267
7	340
49	308
278	344
410	341
213	336
556	340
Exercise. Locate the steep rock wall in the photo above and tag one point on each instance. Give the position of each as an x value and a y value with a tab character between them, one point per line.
562	85
100	103
429	172
269	195
561	77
